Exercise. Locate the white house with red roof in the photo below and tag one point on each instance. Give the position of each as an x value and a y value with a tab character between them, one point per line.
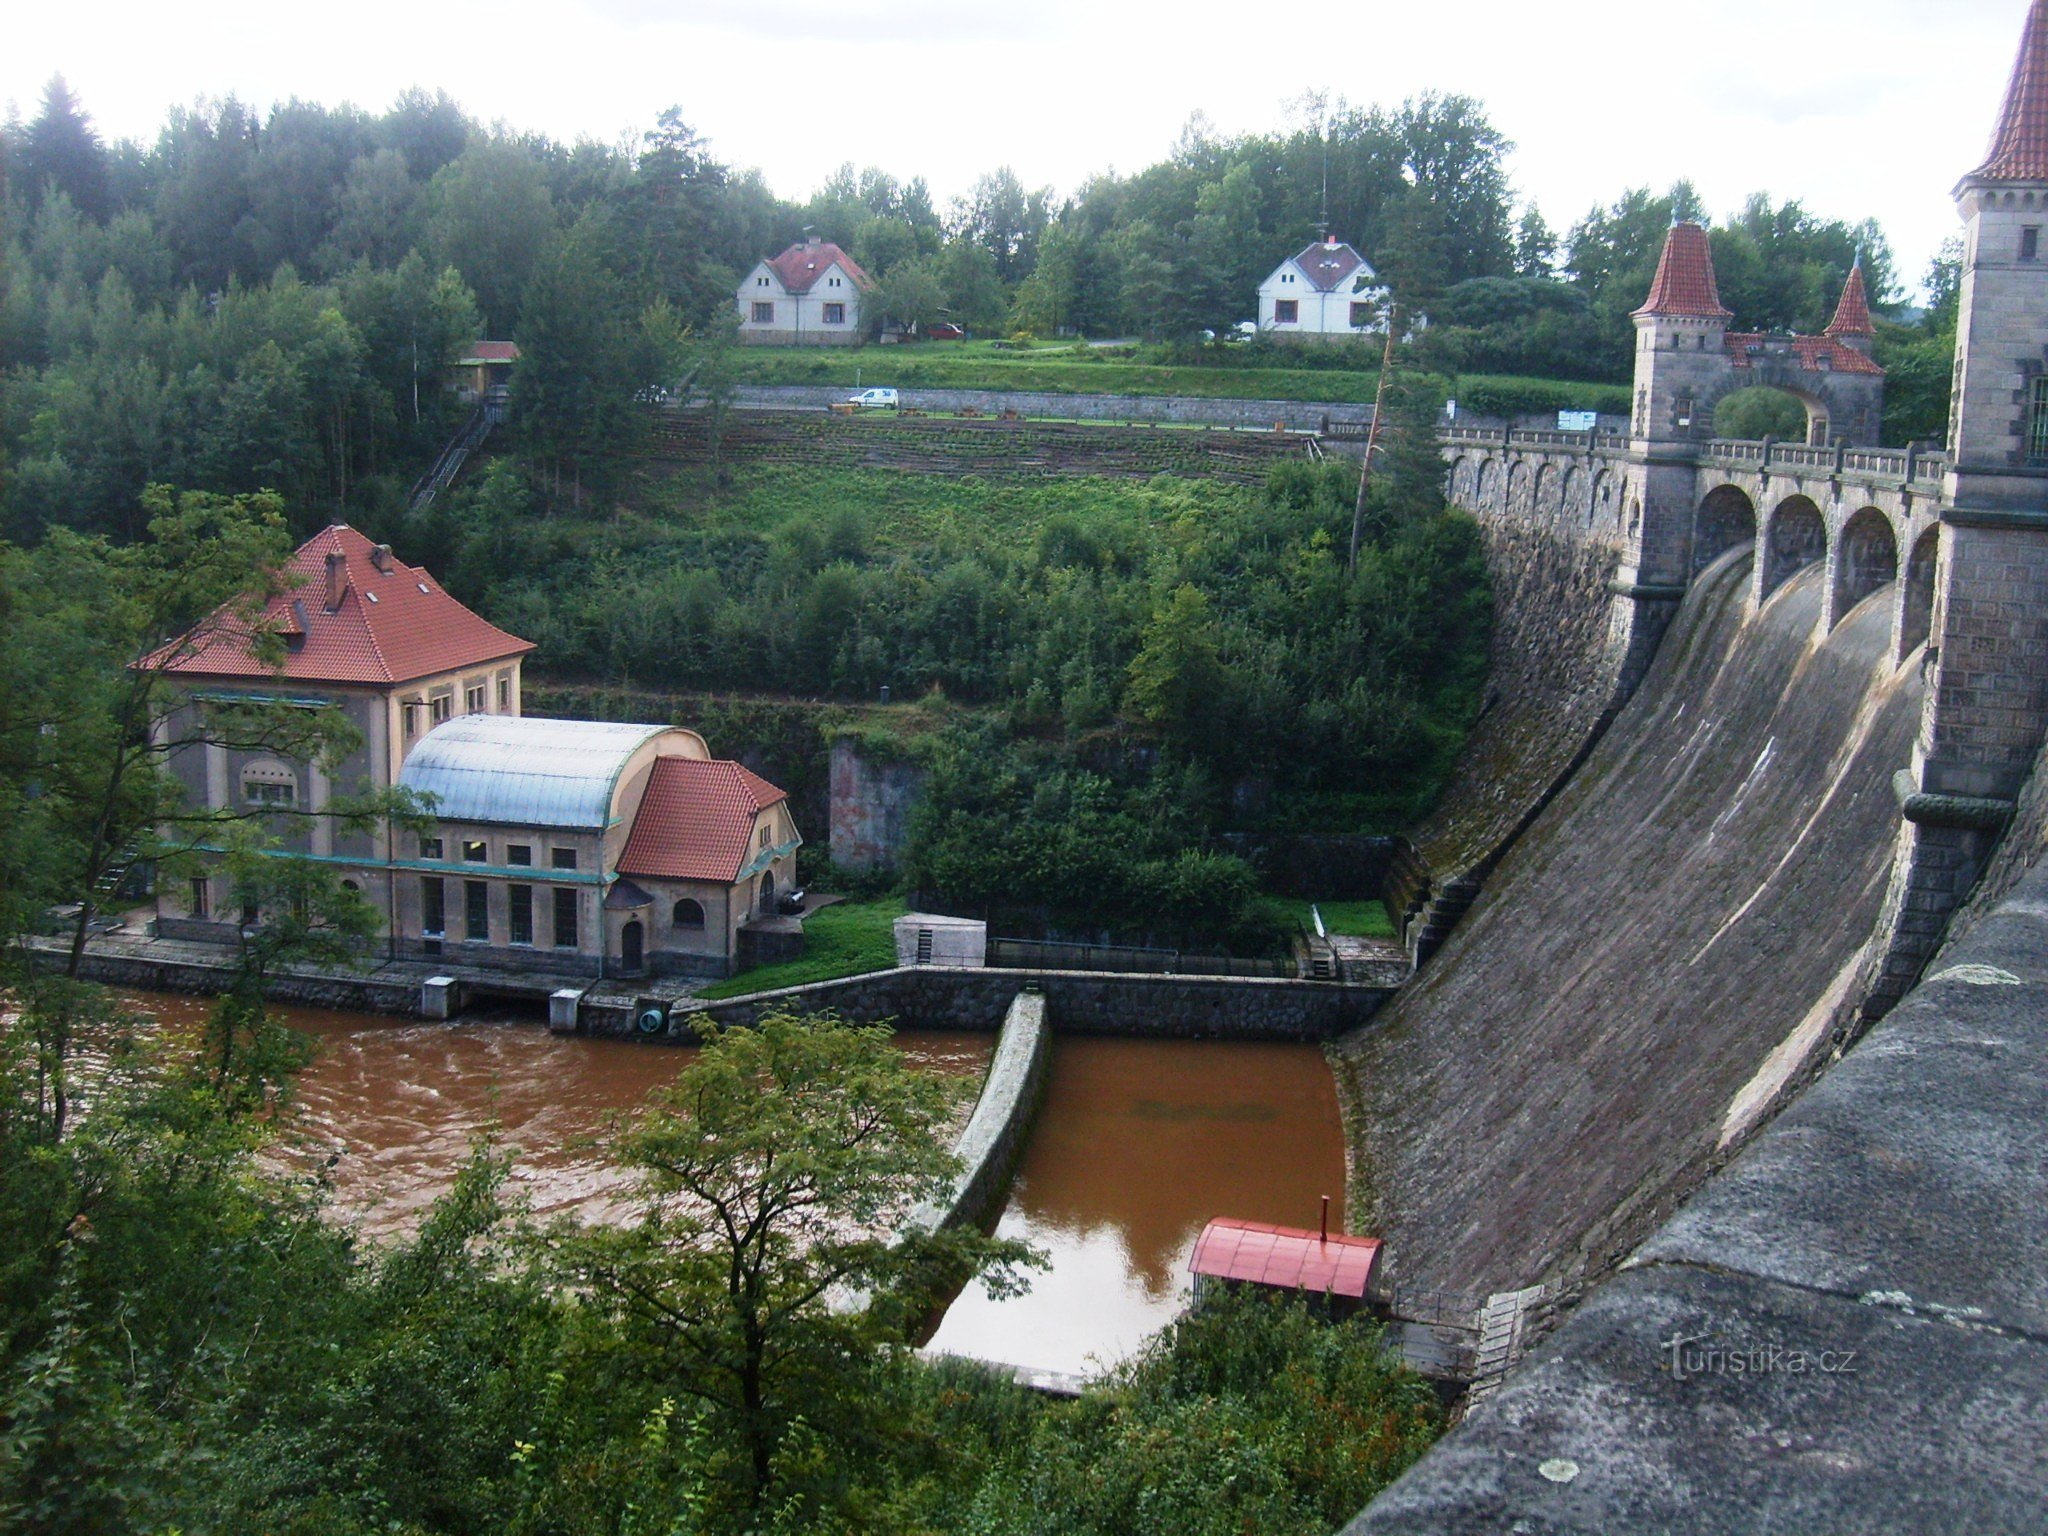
1324	292
808	296
561	846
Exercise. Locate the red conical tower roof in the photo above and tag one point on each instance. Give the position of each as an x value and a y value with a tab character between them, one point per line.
1685	276
2019	147
1852	315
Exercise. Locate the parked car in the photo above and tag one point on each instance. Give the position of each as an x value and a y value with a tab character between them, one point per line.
874	400
945	330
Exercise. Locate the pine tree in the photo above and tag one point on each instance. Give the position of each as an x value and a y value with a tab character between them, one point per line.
61	152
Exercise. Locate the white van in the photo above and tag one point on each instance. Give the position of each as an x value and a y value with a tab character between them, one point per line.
874	400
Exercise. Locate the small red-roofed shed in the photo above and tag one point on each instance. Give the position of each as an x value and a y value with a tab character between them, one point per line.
1286	1259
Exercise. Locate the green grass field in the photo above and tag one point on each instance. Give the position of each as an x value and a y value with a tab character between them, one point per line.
1353	919
1066	370
845	939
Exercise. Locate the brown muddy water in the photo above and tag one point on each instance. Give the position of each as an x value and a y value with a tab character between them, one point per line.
1138	1144
399	1103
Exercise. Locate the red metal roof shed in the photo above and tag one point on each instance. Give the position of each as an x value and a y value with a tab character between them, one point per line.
1288	1258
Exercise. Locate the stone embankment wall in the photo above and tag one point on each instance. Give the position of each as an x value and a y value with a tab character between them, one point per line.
1077	1002
989	1147
191	968
872	800
986	448
1660	955
1181	410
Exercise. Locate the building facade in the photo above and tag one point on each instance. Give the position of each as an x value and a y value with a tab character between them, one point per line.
557	845
1326	292
809	296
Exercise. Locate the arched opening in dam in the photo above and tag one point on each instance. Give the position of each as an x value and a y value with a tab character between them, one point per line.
1917	602
1869	558
1726	520
1796	537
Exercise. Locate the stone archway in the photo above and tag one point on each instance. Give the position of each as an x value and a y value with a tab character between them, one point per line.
1574	491
1867	559
1548	497
1488	486
1726	519
1796	538
1916	617
1464	481
1518	489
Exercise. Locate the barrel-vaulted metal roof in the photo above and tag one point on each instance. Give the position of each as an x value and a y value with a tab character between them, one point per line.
518	771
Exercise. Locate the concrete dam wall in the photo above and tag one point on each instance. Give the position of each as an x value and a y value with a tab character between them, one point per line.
1663	948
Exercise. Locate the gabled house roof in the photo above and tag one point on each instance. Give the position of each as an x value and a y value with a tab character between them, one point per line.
361	615
696	821
1685	284
1329	264
799	268
2019	145
489	352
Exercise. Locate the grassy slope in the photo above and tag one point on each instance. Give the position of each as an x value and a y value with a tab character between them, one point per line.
1066	370
840	940
1355	919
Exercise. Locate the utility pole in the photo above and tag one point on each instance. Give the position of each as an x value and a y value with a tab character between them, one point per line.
1372	442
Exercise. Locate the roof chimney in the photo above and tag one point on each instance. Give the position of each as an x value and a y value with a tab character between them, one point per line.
337	580
380	557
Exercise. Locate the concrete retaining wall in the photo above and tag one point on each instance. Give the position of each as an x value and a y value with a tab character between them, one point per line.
354	994
994	1139
1295	415
1077	1002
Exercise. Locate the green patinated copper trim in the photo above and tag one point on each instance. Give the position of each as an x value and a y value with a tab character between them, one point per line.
1969	813
764	858
453	869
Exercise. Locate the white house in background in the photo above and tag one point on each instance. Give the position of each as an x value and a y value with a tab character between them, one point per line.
1328	292
810	295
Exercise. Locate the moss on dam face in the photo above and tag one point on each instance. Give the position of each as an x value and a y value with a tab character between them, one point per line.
1555	1082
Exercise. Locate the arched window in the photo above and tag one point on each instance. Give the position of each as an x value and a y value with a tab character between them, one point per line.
688	914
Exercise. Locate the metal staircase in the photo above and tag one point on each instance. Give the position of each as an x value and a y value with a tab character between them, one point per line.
489	412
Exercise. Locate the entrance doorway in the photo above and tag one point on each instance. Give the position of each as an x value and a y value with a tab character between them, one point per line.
632	944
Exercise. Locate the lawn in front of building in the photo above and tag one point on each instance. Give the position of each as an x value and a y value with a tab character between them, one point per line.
844	939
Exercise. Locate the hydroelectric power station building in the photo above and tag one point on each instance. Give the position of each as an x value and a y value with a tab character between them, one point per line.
559	846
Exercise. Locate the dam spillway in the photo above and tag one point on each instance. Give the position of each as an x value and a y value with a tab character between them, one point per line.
1661	949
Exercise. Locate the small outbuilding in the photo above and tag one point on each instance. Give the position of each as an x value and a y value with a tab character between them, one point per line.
1332	1265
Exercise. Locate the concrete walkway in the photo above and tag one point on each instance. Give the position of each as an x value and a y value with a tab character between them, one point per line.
1846	1330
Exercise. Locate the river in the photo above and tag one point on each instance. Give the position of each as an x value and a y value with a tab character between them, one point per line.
1138	1143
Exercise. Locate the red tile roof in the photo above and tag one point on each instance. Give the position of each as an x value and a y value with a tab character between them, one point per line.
390	625
1685	278
1326	264
696	821
802	265
1287	1257
2019	145
1745	347
490	352
1852	315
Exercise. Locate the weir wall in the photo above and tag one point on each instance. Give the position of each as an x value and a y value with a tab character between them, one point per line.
1183	410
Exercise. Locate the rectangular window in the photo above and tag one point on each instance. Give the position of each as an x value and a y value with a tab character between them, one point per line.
764	312
201	904
442	706
2030	243
474	851
412	719
476	911
835	314
272	796
565	918
1286	311
433	907
2037	422
519	853
520	908
1361	315
473	699
505	695
430	848
564	858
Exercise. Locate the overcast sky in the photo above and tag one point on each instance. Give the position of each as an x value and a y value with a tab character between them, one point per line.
1856	107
